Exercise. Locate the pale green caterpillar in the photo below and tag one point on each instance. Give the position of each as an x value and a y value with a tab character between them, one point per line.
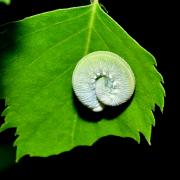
103	78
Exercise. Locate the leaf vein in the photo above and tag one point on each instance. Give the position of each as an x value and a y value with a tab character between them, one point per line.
100	37
74	124
49	27
90	26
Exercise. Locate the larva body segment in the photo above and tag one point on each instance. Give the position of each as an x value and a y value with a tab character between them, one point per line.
103	78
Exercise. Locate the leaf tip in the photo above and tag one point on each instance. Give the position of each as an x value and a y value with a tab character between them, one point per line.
19	154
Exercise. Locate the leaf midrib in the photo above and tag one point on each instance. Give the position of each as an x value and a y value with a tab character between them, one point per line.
90	27
88	41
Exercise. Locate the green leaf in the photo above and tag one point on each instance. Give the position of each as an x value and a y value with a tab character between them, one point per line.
6	1
36	70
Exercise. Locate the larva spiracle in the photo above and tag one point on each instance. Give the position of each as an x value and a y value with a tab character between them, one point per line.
103	78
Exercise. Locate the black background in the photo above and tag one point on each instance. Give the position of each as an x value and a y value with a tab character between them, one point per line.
154	26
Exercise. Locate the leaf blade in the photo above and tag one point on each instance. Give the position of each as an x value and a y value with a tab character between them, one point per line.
37	84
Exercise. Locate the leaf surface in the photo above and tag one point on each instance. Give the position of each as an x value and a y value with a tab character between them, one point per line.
38	55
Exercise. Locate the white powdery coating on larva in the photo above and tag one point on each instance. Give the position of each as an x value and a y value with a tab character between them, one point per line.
103	78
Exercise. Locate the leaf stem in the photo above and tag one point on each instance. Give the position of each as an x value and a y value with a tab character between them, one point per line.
94	1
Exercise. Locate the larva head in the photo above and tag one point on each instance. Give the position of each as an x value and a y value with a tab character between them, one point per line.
103	78
114	92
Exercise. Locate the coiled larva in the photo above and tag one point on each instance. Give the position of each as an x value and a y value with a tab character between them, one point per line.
103	78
